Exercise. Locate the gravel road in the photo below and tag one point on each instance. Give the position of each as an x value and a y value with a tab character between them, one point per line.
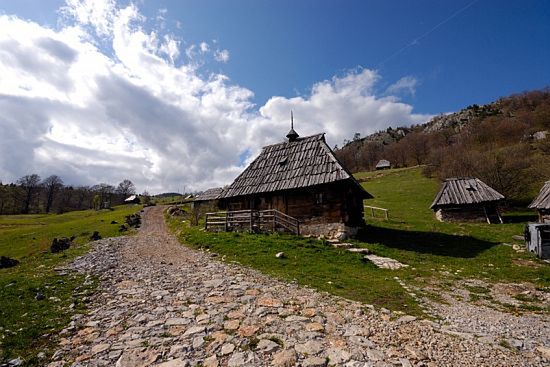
162	304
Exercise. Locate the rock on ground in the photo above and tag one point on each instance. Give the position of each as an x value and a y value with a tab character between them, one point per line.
160	303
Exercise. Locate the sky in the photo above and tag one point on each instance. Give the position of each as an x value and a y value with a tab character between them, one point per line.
182	95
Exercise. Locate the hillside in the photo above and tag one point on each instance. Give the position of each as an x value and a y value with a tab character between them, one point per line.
506	143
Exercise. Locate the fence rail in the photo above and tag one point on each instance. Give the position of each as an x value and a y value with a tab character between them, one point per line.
373	208
270	220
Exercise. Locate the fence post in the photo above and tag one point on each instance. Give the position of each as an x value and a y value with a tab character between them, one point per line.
387	215
206	223
372	211
251	211
226	219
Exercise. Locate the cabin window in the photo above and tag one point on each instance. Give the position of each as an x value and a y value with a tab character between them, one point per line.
319	198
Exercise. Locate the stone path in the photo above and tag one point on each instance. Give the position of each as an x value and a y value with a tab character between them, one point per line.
379	261
162	304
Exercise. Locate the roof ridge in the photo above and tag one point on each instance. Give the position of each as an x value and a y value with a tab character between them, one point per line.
295	141
306	162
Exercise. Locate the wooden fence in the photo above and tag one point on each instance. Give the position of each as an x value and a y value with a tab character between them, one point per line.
373	208
270	220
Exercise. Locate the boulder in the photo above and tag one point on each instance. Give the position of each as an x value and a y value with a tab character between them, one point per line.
7	262
61	244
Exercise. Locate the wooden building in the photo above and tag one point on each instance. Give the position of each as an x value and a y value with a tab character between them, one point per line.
208	199
542	203
467	199
132	199
301	178
383	164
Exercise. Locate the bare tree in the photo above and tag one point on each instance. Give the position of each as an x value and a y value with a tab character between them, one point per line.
30	184
51	184
126	188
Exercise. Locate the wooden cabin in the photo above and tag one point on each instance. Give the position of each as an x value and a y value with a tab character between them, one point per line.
208	199
132	199
301	178
467	199
383	164
542	203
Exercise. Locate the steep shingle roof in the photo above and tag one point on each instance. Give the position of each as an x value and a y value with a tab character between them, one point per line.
464	191
383	163
289	165
210	194
542	201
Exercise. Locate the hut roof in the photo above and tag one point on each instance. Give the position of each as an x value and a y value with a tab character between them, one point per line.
465	191
131	198
210	194
542	201
298	163
383	163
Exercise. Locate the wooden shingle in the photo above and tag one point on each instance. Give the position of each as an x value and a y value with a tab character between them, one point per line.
300	163
465	191
542	201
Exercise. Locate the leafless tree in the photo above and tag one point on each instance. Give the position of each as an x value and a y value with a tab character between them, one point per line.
126	188
30	184
52	185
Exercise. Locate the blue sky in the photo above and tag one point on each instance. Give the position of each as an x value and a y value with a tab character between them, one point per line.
184	93
488	50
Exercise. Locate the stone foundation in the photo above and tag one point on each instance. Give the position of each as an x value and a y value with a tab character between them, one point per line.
337	231
461	215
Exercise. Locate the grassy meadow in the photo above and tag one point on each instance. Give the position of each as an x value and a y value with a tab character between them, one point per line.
25	322
439	255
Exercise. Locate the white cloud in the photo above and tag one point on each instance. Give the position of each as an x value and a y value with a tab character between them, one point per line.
221	55
406	84
203	46
70	108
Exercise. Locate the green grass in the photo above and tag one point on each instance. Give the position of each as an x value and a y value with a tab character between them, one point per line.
26	324
308	261
414	236
439	254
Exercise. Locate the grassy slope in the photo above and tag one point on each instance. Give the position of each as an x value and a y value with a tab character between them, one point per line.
25	322
414	236
438	253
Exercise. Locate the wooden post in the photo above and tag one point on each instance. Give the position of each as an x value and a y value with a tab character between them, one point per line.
387	215
226	219
250	220
372	211
206	223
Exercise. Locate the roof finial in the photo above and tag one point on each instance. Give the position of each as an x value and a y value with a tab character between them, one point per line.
292	135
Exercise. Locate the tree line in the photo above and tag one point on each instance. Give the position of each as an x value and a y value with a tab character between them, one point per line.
506	144
32	194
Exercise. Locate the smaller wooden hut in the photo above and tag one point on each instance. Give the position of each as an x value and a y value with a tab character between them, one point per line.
467	199
208	198
542	203
132	199
383	164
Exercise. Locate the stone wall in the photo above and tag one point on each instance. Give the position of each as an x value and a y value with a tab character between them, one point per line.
337	231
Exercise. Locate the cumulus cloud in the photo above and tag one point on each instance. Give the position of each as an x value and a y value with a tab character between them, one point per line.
72	108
